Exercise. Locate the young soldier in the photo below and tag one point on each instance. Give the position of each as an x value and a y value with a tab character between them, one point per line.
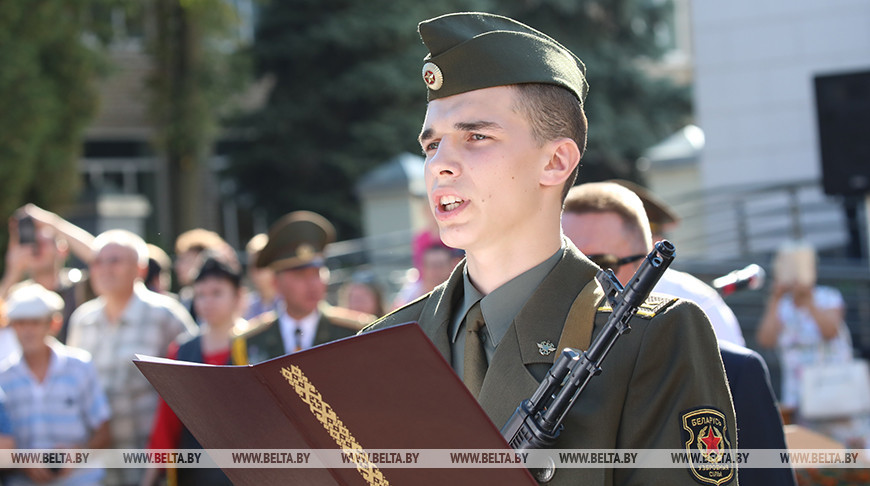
503	136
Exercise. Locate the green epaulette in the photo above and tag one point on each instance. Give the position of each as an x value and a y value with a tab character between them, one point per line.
652	306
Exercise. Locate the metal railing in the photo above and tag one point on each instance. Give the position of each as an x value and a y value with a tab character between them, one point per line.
731	227
734	222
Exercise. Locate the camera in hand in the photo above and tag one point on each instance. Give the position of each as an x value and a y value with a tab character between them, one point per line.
26	230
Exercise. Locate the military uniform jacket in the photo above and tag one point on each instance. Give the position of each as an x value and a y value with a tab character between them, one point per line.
263	340
654	380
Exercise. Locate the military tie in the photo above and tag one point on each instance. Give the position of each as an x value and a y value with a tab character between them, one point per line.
474	364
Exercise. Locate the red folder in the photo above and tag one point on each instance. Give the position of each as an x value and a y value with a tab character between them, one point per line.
385	390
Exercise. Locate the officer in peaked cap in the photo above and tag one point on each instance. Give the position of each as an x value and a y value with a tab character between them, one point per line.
297	240
503	136
295	253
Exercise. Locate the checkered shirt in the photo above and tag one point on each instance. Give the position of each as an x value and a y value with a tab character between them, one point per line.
149	323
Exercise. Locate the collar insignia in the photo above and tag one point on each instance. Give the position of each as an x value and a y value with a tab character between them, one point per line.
546	347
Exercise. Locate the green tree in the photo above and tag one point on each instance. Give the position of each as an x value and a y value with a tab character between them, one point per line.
347	92
48	71
195	73
347	96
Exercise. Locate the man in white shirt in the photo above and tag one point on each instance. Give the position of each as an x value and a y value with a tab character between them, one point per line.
682	284
53	397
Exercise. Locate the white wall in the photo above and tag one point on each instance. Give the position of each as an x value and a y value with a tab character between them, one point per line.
753	91
754	68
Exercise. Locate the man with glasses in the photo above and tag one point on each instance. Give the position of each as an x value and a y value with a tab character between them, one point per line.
609	224
595	212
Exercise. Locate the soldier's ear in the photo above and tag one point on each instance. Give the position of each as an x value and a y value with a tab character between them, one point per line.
563	159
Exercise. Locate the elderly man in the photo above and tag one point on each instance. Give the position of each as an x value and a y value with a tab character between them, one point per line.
54	398
125	320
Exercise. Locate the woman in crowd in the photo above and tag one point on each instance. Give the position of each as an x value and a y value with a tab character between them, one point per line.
217	298
805	323
362	294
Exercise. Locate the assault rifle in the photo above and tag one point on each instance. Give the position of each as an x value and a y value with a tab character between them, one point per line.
537	421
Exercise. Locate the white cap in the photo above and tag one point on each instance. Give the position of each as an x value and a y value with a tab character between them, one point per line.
32	301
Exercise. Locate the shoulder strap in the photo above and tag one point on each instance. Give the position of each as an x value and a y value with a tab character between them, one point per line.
347	318
239	351
577	332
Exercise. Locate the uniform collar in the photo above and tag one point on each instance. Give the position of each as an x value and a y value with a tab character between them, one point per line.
307	327
501	306
543	318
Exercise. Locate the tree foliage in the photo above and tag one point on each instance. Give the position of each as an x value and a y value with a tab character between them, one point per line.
347	92
347	97
194	76
48	71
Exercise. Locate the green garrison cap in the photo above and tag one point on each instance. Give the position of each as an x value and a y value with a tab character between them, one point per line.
296	240
473	50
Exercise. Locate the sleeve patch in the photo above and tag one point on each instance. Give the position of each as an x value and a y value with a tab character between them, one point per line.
705	434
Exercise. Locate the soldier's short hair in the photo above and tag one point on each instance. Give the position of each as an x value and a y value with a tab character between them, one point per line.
553	112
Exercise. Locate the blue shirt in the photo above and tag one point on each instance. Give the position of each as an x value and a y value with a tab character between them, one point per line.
61	411
5	423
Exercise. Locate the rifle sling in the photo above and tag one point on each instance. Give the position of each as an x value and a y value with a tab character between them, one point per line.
577	332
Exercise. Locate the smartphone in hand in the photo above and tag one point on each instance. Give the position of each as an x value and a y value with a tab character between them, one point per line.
26	230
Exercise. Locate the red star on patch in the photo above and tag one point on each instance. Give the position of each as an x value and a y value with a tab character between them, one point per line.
711	441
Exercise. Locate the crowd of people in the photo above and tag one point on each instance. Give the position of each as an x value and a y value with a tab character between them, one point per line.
79	328
69	335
